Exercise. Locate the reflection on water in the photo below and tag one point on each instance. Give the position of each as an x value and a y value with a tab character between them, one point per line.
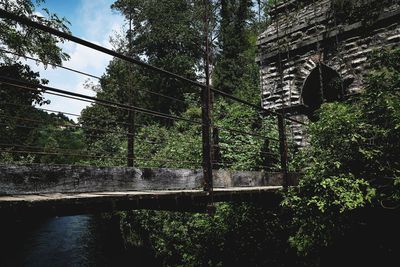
66	241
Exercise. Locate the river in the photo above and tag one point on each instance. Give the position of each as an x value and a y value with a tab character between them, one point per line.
68	241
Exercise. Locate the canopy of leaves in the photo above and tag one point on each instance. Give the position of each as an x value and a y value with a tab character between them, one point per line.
25	128
234	43
166	34
24	40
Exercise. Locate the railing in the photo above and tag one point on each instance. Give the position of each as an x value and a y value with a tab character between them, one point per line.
221	145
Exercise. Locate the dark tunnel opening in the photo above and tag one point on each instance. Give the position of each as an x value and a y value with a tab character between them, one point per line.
313	95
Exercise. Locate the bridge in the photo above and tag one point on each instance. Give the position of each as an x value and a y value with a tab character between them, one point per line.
32	183
63	190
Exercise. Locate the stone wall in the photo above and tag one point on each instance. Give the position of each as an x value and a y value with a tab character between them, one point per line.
304	33
44	179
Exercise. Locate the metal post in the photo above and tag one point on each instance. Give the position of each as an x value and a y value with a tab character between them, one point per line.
131	138
206	138
283	149
206	116
131	113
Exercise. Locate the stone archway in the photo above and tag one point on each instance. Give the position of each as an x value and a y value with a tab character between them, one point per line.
313	95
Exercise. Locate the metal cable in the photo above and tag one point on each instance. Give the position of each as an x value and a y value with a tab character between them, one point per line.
63	125
122	135
117	105
91	156
90	99
67	36
245	133
38	127
68	113
87	74
232	164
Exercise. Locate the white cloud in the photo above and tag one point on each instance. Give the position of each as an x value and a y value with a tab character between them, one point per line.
98	20
97	23
84	58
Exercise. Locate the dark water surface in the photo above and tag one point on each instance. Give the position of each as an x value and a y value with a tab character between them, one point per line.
67	241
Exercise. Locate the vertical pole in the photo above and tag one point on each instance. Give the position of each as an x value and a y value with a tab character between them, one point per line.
283	149
131	113
131	141
206	116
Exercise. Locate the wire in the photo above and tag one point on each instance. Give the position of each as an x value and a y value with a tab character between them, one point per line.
63	125
91	156
90	99
222	143
192	142
51	64
67	36
75	115
122	135
245	133
54	148
38	127
87	74
232	164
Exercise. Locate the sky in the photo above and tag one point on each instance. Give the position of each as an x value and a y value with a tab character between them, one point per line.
91	20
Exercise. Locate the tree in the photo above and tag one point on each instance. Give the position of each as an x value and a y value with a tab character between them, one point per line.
16	104
234	42
351	164
17	111
24	40
166	35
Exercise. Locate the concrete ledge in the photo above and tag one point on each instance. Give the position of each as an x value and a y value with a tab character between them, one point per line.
46	179
97	202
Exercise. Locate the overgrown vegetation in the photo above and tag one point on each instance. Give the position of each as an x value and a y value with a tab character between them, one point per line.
352	162
347	202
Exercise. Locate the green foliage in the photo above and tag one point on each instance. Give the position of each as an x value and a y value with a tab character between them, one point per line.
232	63
318	207
54	139
352	161
237	235
176	147
24	125
241	151
24	40
15	104
172	42
17	112
165	143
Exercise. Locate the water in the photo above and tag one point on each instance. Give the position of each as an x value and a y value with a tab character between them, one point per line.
67	241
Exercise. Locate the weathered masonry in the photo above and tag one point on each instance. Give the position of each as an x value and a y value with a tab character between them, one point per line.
40	189
316	51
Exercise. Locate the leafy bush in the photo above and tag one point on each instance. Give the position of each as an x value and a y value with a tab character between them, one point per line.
352	161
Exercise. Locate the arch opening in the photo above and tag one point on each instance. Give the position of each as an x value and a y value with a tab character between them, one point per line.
313	95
